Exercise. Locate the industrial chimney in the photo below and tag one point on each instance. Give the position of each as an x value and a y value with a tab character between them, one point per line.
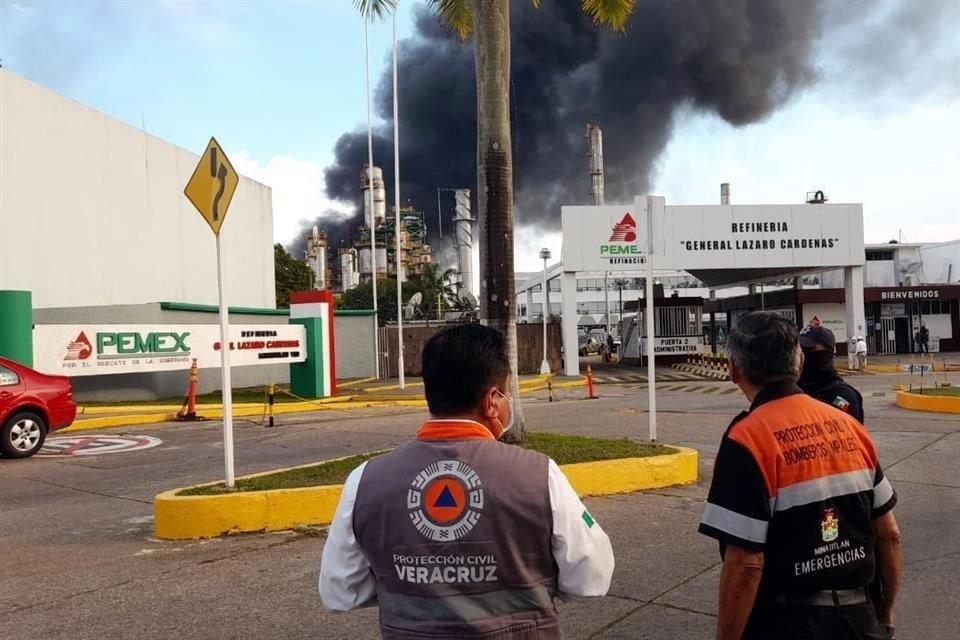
379	196
464	224
725	193
316	254
595	153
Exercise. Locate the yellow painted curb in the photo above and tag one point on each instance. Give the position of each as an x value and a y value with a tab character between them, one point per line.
131	410
191	517
107	422
112	417
626	475
390	387
353	383
936	404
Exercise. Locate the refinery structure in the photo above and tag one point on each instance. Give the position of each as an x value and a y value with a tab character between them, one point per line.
343	268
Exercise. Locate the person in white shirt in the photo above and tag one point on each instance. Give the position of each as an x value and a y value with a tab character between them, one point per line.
456	534
861	354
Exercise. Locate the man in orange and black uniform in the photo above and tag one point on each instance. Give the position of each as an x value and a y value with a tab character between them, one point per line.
799	504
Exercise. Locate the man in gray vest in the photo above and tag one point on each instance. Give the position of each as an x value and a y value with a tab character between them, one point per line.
456	535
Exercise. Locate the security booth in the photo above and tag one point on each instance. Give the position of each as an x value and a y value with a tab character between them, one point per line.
678	327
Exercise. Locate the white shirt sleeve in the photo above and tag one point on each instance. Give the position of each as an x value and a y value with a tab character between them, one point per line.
346	580
581	549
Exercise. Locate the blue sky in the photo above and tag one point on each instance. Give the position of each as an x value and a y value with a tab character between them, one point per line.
284	76
278	82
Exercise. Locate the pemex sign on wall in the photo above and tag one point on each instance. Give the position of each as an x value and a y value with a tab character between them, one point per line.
89	350
608	238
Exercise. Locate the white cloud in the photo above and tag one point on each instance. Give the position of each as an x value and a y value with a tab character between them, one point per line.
901	165
527	242
298	194
198	21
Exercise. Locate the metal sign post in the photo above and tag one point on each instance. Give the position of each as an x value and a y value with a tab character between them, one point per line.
211	189
651	327
225	382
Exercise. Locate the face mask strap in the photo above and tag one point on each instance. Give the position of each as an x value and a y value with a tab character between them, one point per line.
506	427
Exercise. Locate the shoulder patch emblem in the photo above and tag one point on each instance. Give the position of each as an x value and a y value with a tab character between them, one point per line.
588	519
829	526
841	404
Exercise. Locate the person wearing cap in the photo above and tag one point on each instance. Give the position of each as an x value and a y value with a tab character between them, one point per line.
456	535
820	379
799	504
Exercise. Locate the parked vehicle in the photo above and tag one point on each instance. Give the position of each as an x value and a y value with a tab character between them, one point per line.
32	404
587	345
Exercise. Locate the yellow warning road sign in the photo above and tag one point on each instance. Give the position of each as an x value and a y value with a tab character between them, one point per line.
212	185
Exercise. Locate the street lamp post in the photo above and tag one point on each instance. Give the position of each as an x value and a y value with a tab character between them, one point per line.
396	208
545	365
621	283
373	217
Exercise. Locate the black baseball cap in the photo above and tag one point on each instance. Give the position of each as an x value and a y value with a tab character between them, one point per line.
813	336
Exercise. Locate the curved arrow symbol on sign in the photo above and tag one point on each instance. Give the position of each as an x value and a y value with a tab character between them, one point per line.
220	175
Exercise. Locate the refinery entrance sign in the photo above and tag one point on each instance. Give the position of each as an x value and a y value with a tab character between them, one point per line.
96	350
720	245
721	238
606	238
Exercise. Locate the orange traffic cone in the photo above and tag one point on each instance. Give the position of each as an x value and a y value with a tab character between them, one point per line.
590	394
189	409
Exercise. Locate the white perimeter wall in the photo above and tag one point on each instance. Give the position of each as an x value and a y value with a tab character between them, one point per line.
92	212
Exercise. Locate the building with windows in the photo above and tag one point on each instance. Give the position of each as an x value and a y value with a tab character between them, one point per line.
906	287
598	298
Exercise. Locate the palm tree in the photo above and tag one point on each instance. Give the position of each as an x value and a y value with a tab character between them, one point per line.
438	288
489	23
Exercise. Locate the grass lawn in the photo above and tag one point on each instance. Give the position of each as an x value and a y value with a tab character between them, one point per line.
563	449
566	449
942	391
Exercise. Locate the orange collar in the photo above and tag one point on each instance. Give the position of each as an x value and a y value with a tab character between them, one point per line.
453	430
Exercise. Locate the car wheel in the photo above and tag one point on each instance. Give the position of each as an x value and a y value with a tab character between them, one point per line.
22	435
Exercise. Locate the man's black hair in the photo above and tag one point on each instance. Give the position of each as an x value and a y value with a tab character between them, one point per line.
459	364
763	346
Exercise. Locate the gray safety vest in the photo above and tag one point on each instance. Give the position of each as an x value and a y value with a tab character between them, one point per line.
458	534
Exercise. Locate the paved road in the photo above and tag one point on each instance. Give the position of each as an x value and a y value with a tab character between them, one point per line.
79	561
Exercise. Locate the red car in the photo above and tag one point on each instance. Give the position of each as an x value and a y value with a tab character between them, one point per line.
31	405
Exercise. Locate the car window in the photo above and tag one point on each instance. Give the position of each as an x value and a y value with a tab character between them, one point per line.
8	377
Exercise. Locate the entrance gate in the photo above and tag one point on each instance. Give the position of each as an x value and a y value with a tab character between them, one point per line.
722	245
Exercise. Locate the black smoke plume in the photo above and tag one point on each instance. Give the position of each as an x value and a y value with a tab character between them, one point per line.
739	59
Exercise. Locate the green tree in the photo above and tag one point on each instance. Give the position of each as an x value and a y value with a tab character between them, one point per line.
489	22
361	297
289	274
439	288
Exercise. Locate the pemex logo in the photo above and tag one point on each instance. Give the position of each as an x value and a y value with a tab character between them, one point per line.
79	349
625	230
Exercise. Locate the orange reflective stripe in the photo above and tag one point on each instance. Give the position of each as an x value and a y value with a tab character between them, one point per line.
796	439
453	430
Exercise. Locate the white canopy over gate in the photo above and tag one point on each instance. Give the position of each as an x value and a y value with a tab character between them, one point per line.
722	245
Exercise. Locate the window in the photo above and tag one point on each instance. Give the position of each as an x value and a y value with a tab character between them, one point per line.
933	307
7	377
879	254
